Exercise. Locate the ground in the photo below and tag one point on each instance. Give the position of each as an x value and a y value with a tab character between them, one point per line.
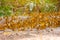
46	34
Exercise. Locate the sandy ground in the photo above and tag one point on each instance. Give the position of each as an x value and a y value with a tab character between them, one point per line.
46	34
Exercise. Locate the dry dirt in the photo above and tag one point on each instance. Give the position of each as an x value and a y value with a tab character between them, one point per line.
46	34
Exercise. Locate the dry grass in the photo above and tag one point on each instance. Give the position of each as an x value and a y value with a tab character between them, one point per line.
30	21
